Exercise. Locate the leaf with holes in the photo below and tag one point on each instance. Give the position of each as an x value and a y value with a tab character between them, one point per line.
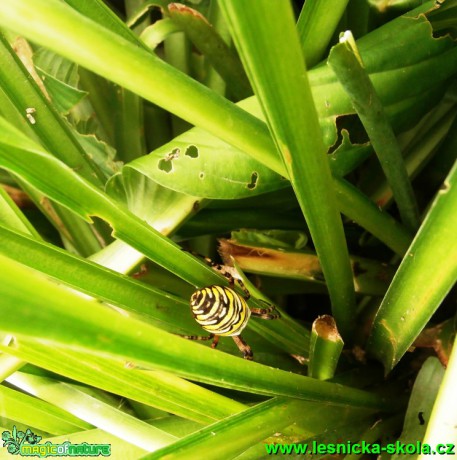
197	163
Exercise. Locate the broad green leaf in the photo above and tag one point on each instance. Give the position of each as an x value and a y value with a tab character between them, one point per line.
60	78
163	208
199	164
63	96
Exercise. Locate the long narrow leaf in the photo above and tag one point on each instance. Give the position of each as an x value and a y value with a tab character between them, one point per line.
148	76
138	70
316	25
161	390
207	40
88	408
285	95
426	274
21	156
443	418
235	434
37	413
50	127
346	62
90	326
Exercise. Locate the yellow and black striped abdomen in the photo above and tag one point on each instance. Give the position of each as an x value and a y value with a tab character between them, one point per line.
220	310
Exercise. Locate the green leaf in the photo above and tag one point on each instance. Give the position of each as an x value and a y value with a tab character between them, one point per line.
72	399
316	24
272	238
39	414
285	95
160	390
157	82
425	276
156	33
11	216
234	435
139	71
64	97
206	39
420	404
199	164
103	15
158	306
325	348
138	191
443	423
60	78
50	128
97	329
64	186
347	64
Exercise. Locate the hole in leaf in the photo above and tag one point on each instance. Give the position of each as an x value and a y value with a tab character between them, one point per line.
165	165
192	151
352	124
253	184
173	155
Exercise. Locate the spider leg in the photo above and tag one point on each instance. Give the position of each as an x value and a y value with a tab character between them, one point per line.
198	337
213	337
244	347
215	341
231	280
224	272
265	313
